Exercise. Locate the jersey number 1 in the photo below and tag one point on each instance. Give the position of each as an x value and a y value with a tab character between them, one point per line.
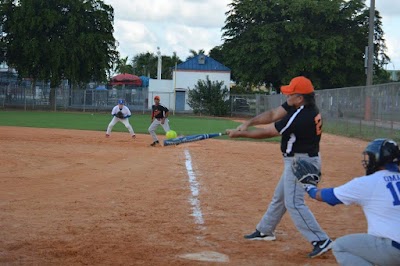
395	194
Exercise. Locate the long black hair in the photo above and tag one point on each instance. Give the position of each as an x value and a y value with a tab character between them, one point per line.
309	100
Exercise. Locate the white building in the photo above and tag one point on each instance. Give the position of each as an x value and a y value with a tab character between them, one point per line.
174	93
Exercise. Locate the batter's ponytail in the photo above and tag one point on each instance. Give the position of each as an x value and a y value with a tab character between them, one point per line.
309	100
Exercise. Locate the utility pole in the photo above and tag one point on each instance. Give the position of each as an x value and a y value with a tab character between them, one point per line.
370	60
370	54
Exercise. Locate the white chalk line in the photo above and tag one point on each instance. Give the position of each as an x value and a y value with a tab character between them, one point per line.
195	189
194	200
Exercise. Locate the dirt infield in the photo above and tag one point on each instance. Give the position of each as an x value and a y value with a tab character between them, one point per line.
70	197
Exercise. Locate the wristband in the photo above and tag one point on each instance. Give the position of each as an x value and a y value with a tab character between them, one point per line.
312	192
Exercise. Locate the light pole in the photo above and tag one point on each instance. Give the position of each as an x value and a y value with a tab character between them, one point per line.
159	63
370	60
370	54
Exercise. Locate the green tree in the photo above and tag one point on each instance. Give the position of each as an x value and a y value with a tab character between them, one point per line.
55	40
208	98
273	41
217	53
122	66
168	65
381	76
381	59
145	64
2	41
194	53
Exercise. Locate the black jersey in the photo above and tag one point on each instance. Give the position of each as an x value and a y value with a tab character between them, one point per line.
301	129
158	111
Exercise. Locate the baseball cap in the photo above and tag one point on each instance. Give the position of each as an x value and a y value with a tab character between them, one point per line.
156	97
120	101
300	85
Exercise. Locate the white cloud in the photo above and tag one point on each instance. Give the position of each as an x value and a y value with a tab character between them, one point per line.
390	12
180	25
387	7
174	26
206	13
133	38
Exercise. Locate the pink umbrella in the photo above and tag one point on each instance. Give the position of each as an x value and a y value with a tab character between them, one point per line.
126	79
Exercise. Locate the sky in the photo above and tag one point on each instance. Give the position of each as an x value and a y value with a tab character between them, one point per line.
179	26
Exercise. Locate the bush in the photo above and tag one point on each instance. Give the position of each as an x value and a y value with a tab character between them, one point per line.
208	98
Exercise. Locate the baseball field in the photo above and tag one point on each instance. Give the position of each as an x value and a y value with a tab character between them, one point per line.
74	197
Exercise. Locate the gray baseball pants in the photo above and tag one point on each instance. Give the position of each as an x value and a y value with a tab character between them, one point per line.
153	126
365	249
289	196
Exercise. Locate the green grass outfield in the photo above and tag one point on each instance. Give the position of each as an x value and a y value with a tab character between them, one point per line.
183	125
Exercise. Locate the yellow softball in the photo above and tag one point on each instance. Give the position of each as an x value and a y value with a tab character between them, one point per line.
171	134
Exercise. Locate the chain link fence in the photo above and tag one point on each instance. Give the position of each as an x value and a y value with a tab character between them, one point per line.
23	95
364	112
104	100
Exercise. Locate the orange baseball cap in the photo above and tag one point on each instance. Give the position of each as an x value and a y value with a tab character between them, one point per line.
156	97
300	85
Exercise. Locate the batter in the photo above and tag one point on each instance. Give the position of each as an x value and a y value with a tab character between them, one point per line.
299	123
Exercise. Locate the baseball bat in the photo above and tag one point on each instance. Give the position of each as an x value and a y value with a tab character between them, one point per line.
191	138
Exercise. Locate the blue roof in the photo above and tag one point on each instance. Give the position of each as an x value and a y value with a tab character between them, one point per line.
195	63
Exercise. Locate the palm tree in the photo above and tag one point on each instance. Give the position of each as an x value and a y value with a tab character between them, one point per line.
194	53
123	66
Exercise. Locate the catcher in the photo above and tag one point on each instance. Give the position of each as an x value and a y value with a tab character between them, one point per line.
120	113
378	194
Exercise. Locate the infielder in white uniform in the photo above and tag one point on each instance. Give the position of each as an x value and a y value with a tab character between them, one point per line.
120	113
378	193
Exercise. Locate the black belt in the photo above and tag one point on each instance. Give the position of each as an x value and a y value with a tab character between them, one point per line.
395	244
292	154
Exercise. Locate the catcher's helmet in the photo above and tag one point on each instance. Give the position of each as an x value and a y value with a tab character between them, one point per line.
378	153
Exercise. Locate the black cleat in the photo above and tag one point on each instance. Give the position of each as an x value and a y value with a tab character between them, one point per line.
320	247
155	143
257	235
